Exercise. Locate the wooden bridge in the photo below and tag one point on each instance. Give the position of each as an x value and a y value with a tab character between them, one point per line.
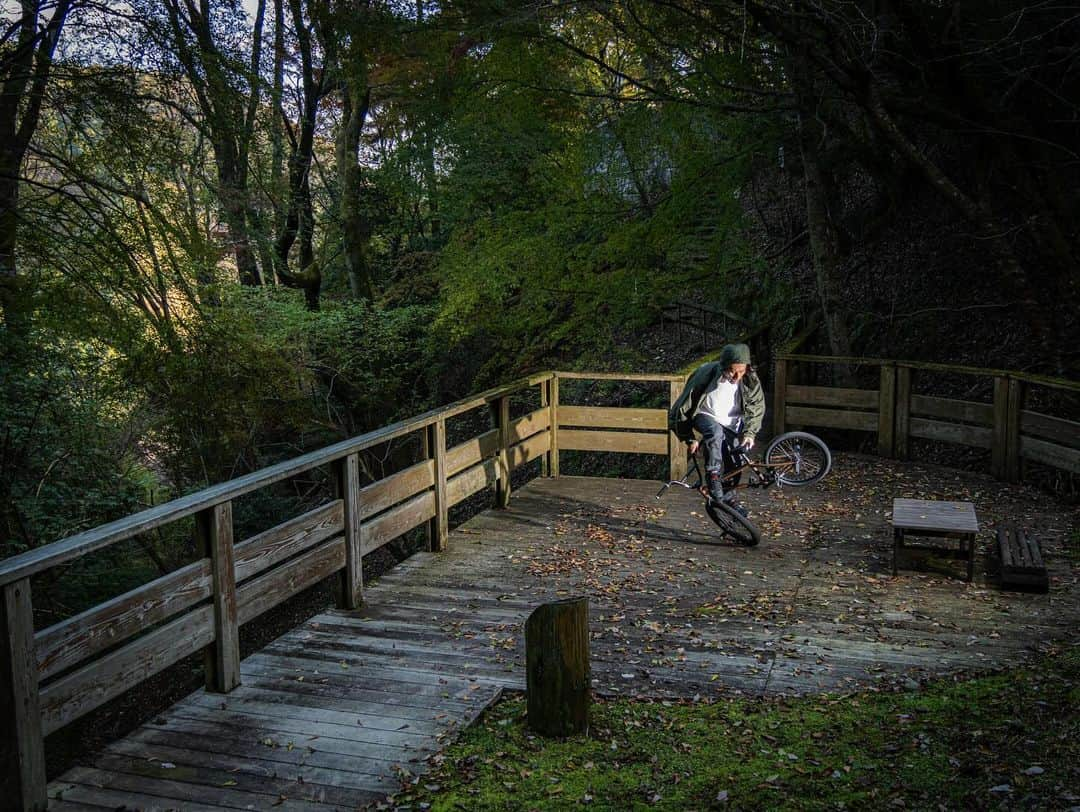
336	712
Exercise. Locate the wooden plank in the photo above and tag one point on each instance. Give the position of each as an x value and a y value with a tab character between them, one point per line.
438	536
470	481
347	483
86	688
833	396
247	773
966	411
469	453
22	743
780	391
631	442
1012	431
1042	380
902	448
832	418
182	795
214	530
280	584
500	415
242	776
545	403
886	410
1001	427
243	747
388	491
93	797
553	422
527	425
106	625
391	524
1052	454
677	451
620	376
934	514
522	453
279	543
614	417
975	436
1056	429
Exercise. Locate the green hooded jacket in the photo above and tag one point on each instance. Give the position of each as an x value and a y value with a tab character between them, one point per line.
681	416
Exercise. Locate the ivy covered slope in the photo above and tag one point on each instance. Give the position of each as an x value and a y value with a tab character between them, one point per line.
1010	740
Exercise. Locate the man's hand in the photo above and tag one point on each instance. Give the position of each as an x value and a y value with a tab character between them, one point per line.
693	445
747	444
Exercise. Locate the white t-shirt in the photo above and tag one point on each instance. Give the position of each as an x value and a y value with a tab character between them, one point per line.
723	403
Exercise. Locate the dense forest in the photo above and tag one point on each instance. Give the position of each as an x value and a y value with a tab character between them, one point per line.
232	231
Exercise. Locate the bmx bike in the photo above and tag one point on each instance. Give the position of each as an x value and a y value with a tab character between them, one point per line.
795	458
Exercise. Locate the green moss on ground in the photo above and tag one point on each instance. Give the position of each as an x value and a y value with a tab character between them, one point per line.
1007	740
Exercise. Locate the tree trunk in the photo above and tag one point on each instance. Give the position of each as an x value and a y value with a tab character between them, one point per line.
820	221
557	667
13	305
355	228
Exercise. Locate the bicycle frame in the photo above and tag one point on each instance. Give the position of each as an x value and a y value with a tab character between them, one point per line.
761	474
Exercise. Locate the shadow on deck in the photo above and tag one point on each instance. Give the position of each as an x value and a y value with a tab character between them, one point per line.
335	713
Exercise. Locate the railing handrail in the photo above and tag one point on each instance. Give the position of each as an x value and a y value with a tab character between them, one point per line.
50	555
1027	377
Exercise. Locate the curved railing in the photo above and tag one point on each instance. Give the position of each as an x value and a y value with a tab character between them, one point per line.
897	411
56	675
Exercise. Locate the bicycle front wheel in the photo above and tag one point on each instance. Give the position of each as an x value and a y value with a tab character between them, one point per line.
798	458
733	524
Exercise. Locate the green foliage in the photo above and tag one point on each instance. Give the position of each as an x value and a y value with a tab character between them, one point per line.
67	459
950	744
560	249
262	378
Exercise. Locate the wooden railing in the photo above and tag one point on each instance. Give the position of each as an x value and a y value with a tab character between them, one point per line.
53	676
897	412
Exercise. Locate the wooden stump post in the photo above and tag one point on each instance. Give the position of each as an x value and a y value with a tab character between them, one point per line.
557	667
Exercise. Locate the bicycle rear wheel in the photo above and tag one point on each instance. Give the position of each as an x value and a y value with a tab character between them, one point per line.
733	524
798	458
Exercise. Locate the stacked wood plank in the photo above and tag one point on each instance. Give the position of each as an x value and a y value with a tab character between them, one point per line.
1021	560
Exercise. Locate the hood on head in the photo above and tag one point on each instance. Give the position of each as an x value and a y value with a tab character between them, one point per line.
734	354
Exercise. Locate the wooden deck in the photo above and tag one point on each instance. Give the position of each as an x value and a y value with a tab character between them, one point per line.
335	713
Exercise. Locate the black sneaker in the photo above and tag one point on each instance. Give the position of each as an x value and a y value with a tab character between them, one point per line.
729	498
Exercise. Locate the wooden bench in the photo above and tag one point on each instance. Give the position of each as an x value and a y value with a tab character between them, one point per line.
921	517
1021	560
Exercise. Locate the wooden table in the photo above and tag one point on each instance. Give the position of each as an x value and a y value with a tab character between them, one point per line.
922	517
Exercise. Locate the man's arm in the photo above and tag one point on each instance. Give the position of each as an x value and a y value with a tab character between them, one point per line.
680	418
753	406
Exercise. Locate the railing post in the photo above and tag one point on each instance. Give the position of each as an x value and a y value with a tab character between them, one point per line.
214	527
676	448
1000	447
903	412
500	415
1013	466
22	744
886	410
780	397
544	386
347	487
438	529
553	405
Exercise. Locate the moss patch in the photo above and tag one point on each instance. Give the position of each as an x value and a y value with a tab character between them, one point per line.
1010	739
